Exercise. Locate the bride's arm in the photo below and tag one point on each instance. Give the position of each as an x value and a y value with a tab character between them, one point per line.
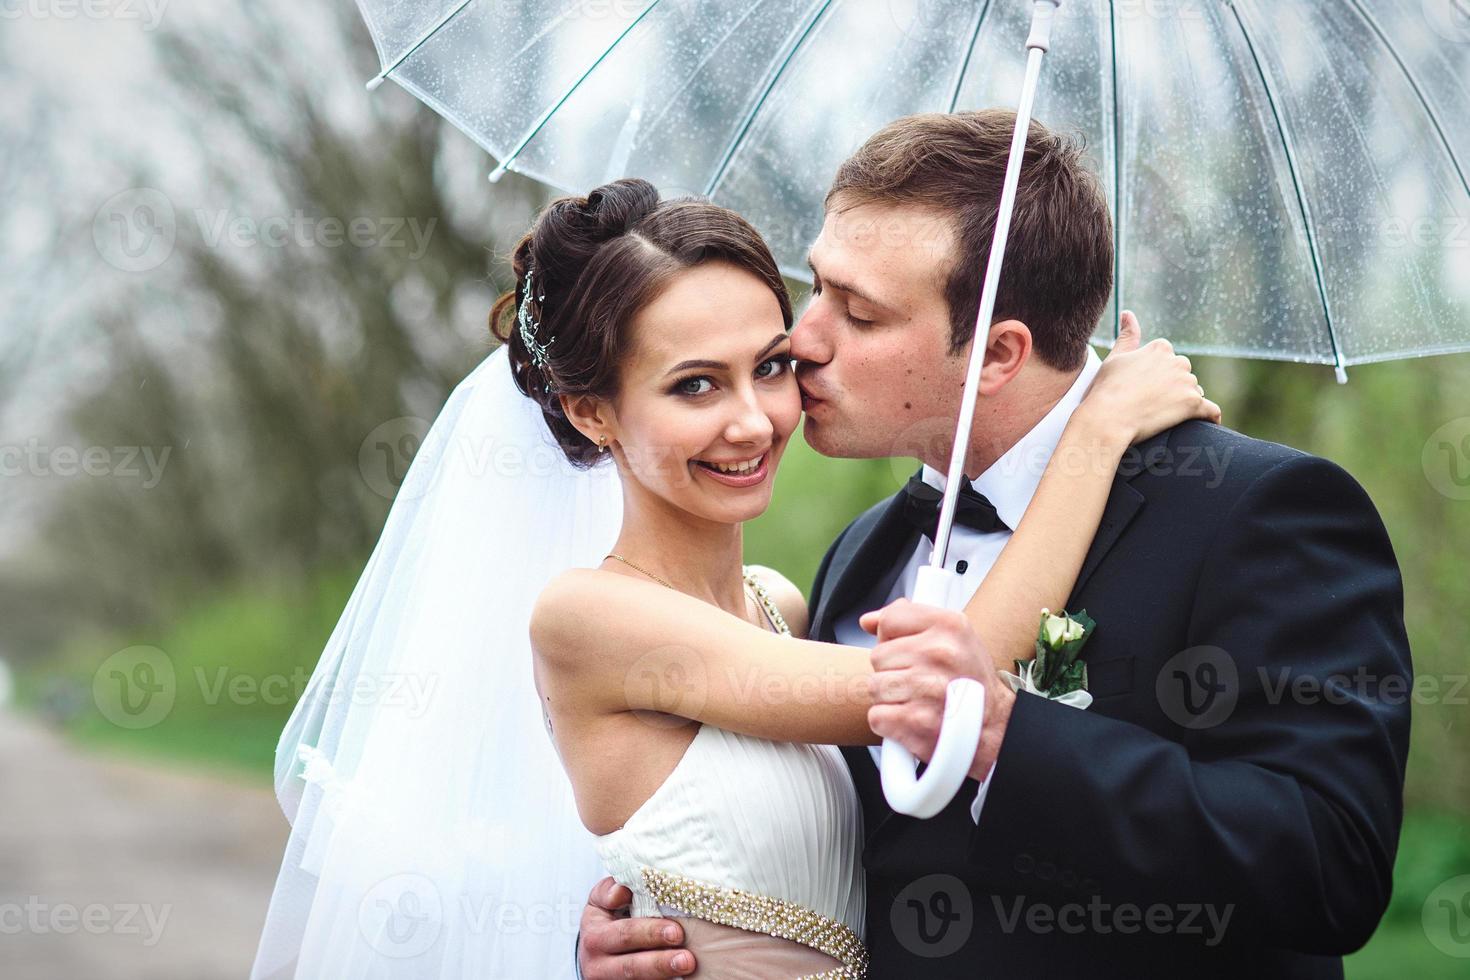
1139	393
610	643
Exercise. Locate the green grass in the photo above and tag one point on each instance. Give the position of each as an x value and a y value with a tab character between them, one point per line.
238	665
1400	949
1433	848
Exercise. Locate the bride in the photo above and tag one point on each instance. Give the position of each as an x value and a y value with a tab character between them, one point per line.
571	527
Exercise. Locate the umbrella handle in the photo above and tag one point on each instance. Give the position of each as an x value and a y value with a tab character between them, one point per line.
959	732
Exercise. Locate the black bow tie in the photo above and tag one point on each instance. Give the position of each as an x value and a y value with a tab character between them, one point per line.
921	509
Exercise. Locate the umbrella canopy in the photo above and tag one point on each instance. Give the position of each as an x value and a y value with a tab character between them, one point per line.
1289	181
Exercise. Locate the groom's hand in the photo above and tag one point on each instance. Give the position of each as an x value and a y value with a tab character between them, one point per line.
613	946
920	650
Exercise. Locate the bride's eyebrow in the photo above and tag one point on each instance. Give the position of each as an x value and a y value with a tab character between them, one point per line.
721	365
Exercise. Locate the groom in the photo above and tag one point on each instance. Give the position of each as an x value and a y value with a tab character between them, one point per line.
1229	805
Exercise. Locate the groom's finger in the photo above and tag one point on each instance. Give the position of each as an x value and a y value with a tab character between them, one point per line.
642	966
894	654
903	686
638	947
633	935
610	896
903	617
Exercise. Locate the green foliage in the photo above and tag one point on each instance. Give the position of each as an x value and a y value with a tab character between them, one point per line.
1384	427
815	498
1433	848
239	662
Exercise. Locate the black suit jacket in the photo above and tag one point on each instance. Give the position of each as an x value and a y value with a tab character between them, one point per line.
1229	806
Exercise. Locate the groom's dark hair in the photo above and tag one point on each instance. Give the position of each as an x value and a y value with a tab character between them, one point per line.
1059	259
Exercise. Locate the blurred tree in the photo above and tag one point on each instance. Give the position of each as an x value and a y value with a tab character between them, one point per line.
274	338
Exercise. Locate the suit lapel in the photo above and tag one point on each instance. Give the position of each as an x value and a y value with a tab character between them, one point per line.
1124	503
868	559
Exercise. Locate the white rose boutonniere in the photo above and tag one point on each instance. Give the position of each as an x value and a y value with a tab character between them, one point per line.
1056	672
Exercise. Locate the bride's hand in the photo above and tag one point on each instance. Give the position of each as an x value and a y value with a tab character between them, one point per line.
1143	390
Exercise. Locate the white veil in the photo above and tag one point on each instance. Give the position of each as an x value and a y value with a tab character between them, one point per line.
434	833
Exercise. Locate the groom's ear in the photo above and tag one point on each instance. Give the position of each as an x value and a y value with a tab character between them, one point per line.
1008	350
592	416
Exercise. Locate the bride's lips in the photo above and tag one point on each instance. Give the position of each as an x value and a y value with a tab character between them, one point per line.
754	477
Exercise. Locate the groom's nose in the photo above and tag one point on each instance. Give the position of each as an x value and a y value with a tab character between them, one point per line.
811	337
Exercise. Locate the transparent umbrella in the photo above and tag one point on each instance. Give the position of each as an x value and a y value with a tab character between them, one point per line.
1289	180
1283	180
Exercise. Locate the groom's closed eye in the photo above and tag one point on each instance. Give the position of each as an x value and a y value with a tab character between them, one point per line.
846	290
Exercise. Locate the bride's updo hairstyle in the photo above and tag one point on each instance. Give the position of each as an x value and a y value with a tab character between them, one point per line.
594	263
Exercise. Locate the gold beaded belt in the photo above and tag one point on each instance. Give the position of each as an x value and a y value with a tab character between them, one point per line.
760	913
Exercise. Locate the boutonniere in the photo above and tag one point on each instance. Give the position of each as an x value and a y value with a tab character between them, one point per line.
1057	672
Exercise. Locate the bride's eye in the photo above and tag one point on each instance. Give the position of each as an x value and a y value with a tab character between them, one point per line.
781	362
680	387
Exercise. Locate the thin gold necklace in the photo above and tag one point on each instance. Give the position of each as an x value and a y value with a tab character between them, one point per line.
645	571
761	599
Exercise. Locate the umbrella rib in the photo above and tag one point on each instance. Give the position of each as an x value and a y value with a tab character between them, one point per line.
749	121
1117	174
531	134
423	39
1296	183
1368	18
959	80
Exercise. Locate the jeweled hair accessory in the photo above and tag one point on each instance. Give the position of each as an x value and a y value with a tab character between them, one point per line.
530	328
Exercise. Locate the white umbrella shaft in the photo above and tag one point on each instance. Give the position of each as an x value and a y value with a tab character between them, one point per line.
964	702
993	265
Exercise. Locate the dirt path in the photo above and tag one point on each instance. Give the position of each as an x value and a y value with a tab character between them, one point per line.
116	869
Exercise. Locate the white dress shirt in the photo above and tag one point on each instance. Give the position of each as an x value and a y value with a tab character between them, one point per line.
1009	484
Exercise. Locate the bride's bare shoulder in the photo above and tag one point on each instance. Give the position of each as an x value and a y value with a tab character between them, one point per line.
569	610
786	595
584	608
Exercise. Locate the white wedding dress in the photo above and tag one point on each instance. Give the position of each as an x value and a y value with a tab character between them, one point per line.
758	846
434	835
